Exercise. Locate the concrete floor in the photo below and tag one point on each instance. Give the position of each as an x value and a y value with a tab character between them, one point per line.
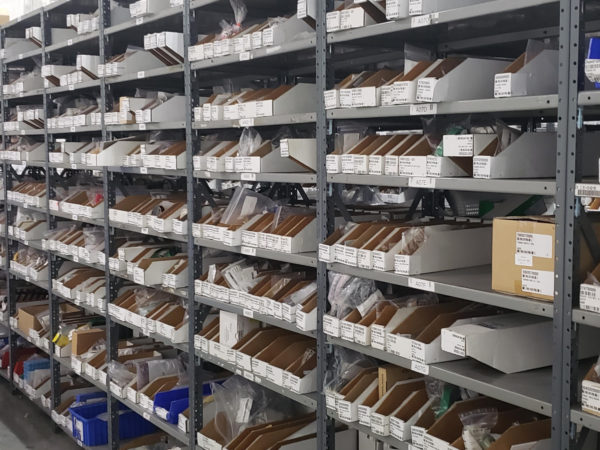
24	426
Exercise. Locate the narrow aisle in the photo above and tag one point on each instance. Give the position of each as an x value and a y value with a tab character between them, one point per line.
23	426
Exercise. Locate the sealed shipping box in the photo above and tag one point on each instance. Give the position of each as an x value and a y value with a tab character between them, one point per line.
523	256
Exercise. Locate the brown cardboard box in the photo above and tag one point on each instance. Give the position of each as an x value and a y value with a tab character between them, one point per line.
530	259
82	340
523	256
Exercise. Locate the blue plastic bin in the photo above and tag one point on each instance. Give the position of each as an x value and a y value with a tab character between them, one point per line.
594	52
91	430
174	402
82	398
33	365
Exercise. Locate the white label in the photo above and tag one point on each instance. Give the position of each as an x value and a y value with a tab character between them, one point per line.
423	109
415	7
70	42
538	245
422	182
248	313
590	395
141	74
538	281
141	126
248	177
250	251
144	230
245	56
139	21
589	297
523	259
424	285
420	21
419	368
454	343
502	85
246	122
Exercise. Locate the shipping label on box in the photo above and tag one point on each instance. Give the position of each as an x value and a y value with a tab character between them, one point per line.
589	297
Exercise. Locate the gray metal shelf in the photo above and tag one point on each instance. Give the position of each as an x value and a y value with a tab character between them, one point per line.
32	132
78	218
88	37
27	94
589	98
302	259
309	400
273	177
150	73
475	11
147	126
253	314
538	104
533	187
148	231
74	87
579	417
22	56
530	390
472	284
400	445
78	129
137	22
586	317
287	119
286	48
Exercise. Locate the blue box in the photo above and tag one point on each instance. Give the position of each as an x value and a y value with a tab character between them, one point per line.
91	430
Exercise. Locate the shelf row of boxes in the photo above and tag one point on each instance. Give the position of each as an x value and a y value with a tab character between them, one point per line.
448	79
288	296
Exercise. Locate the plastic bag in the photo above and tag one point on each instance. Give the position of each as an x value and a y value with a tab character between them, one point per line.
250	141
237	406
240	11
347	292
148	371
343	367
300	295
411	240
435	128
119	373
244	204
477	428
443	395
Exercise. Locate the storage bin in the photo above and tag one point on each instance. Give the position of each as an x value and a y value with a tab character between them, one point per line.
91	430
34	364
171	403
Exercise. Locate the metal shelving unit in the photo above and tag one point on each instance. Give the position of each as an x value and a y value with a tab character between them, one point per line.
550	392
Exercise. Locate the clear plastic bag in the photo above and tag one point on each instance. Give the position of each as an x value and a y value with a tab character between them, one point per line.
119	373
347	292
240	11
244	204
477	428
148	371
250	141
343	367
443	395
411	240
435	128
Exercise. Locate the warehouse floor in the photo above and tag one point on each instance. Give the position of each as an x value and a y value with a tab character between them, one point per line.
25	426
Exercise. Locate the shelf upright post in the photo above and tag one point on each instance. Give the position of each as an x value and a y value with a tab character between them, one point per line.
564	373
111	286
196	312
10	285
324	81
52	260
